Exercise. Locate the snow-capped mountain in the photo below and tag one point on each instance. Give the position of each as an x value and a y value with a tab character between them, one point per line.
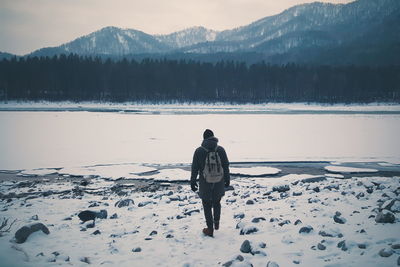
113	41
188	37
313	27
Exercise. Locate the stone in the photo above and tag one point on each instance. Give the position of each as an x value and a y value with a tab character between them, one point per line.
321	246
316	189
24	232
281	188
272	264
169	236
338	218
296	194
249	202
284	222
362	246
258	252
97	232
85	260
396	246
306	229
398	261
385	216
248	230
35	218
189	213
314	179
262	245
386	252
88	215
297	222
138	249
144	203
153	233
124	203
257	219
114	216
245	247
228	263
238	215
330	233
342	245
90	225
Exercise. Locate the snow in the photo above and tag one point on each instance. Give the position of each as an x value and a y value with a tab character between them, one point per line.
254	171
38	172
112	171
187	247
343	169
172	175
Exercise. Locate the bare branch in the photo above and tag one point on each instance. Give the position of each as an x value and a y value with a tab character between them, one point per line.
4	227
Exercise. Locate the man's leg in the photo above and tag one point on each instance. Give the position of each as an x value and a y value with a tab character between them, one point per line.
217	212
207	205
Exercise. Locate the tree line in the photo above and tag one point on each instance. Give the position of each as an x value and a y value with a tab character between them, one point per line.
77	78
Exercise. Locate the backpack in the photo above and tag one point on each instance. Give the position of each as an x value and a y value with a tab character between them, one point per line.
213	171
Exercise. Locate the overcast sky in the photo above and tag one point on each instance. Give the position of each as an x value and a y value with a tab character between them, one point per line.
26	25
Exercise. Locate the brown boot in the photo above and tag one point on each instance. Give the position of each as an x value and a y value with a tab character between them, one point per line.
208	232
216	225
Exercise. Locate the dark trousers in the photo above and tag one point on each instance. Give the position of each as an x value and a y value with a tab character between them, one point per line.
214	205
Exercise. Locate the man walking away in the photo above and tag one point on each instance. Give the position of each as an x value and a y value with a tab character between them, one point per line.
211	163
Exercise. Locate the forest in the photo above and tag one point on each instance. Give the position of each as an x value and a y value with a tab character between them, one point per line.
76	78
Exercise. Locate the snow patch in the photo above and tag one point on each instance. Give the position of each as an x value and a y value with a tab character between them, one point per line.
343	169
254	171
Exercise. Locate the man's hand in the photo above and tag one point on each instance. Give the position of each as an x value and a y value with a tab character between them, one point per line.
194	186
227	183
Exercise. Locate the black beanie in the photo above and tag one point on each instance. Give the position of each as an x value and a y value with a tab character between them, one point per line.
207	134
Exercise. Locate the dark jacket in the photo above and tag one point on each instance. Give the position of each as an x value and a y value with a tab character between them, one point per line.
209	191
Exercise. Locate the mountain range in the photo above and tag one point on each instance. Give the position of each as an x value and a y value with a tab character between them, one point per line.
360	32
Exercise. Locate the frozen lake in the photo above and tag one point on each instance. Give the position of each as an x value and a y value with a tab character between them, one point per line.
36	139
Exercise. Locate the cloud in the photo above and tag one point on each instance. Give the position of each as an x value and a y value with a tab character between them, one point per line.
26	25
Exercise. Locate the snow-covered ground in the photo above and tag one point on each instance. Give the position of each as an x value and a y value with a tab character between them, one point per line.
164	227
32	140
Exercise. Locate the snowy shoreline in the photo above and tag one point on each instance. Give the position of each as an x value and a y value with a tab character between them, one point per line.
202	108
297	219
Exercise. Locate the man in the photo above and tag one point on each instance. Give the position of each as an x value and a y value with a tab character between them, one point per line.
210	192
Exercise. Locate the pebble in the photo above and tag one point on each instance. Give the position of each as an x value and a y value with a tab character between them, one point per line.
257	219
245	247
386	252
138	249
385	216
306	229
272	264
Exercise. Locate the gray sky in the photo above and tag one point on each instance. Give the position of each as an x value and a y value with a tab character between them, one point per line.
26	25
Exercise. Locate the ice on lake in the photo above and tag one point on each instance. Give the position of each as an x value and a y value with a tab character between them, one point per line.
32	140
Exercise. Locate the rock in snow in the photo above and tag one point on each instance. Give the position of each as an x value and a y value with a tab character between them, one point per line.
23	233
306	229
386	252
88	215
272	264
124	203
385	216
245	247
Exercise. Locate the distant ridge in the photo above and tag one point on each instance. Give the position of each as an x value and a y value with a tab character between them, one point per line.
360	32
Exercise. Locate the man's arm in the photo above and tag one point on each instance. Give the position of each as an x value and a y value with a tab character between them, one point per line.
195	168
225	165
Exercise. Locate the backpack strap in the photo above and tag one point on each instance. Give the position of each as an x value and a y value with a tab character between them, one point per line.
204	149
